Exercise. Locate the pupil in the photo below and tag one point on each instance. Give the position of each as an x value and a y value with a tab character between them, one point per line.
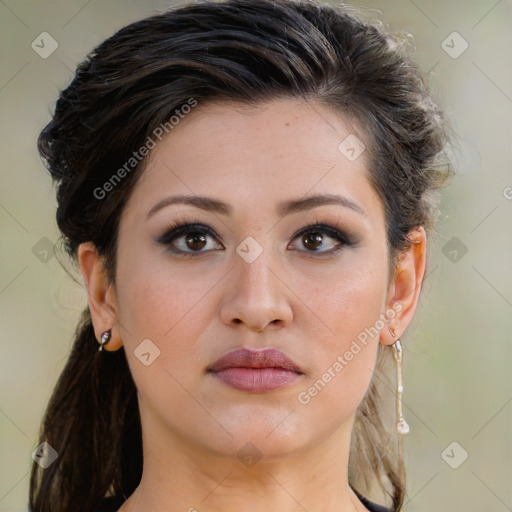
313	238
196	238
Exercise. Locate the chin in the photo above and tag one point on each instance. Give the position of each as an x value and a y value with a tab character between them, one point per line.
251	447
263	435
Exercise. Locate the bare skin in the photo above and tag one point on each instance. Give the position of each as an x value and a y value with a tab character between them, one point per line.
292	297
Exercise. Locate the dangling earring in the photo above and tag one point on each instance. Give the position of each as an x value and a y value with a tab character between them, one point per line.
401	425
105	338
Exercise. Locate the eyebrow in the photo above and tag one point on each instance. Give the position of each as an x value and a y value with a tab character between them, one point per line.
285	208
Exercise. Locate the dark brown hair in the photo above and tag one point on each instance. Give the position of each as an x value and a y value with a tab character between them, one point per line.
249	51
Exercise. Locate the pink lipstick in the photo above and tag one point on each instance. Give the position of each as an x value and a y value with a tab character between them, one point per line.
256	371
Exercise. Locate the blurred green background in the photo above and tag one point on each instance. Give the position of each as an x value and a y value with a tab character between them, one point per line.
457	351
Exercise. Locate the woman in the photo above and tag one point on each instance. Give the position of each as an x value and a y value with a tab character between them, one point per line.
247	188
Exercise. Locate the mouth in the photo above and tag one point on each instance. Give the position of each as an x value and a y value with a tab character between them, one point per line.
255	371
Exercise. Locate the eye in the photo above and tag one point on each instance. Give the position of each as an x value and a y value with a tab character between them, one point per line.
313	237
191	238
185	237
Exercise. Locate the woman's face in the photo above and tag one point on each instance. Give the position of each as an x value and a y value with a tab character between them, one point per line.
246	278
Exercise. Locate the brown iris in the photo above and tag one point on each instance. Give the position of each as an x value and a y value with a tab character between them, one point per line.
312	238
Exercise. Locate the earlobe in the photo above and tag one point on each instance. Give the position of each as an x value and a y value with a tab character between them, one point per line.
100	295
406	286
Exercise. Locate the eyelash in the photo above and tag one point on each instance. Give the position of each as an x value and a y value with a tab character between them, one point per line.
182	227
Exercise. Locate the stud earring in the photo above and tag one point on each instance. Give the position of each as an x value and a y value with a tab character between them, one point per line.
105	338
401	425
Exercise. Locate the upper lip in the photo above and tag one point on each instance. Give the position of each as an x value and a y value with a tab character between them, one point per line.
247	358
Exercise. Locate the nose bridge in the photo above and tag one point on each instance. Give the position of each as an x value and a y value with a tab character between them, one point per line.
256	296
253	269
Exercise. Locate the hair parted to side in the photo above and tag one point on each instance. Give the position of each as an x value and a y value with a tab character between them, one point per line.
249	51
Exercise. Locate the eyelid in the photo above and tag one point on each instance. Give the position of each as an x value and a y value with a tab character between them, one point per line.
335	231
179	227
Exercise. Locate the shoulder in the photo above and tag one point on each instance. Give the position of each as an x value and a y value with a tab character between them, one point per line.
372	507
111	504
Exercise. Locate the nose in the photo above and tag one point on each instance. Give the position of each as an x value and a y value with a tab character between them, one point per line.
257	295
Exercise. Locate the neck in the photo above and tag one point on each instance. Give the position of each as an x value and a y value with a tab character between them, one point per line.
180	476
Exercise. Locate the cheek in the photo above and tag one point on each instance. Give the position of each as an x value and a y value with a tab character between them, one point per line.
345	349
157	300
158	303
349	301
164	303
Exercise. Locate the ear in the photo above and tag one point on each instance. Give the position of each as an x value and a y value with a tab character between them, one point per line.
406	286
100	294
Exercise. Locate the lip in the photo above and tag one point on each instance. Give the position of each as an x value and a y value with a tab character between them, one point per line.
255	371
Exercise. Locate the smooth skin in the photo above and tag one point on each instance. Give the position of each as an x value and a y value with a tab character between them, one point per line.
292	297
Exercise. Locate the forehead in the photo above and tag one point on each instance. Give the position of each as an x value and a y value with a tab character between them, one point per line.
257	156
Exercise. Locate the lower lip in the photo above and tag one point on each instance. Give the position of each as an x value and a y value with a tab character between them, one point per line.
257	380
